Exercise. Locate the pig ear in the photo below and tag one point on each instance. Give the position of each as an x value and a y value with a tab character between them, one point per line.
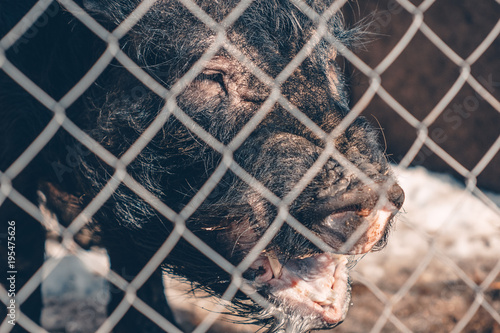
94	6
106	12
111	10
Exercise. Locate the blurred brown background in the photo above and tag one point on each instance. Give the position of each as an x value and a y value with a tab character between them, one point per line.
422	74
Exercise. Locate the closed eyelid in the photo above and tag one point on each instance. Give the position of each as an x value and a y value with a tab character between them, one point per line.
209	71
215	76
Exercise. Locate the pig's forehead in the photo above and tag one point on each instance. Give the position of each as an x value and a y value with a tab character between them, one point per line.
270	28
218	9
276	20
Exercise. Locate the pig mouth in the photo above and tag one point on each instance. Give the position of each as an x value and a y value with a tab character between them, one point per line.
317	286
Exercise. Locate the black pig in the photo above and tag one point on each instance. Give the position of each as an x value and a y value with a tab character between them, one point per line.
148	187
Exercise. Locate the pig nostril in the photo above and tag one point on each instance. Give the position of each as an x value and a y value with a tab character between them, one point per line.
396	195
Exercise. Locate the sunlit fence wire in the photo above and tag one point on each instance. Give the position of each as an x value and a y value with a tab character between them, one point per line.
171	109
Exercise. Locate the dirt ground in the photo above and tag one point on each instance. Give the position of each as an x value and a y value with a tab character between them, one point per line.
435	303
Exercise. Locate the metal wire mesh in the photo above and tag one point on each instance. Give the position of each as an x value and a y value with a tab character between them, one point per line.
113	51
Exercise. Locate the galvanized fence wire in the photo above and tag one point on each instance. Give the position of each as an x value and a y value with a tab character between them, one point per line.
171	109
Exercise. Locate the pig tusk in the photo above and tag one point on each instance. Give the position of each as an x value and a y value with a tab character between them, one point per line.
275	265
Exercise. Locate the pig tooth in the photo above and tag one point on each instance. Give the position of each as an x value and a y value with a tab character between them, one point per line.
275	265
321	300
331	298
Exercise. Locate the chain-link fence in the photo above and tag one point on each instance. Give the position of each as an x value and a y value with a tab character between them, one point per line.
484	293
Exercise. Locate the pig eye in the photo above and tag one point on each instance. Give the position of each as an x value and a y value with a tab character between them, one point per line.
214	76
332	67
332	62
